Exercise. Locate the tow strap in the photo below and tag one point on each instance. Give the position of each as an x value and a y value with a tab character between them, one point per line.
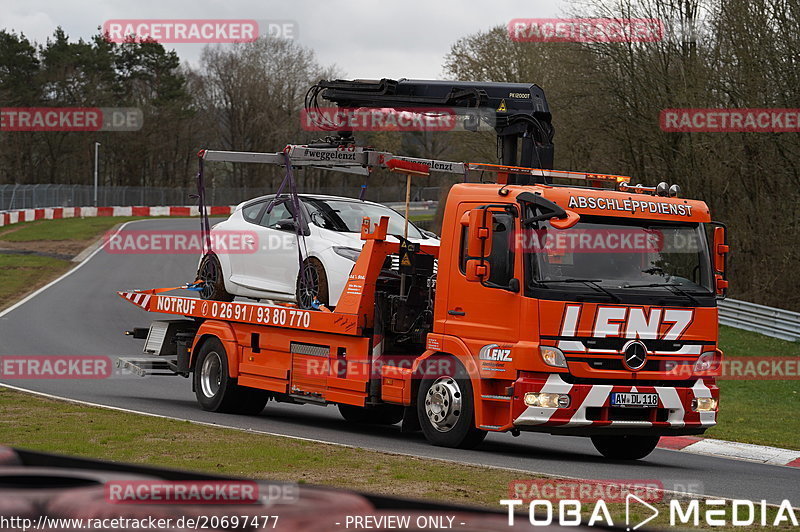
205	225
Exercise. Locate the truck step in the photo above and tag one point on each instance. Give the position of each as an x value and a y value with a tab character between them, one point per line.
147	366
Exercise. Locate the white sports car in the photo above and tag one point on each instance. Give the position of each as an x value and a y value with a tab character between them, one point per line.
332	244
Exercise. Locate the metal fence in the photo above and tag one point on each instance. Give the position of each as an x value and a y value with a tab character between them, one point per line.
775	322
39	196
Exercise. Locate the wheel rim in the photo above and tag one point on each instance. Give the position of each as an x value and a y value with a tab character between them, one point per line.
209	274
308	286
211	375
443	403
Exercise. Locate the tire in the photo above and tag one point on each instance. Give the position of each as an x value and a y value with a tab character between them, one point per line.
445	406
210	272
216	391
625	447
312	282
372	415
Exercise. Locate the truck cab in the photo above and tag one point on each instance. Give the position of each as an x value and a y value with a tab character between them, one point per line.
584	311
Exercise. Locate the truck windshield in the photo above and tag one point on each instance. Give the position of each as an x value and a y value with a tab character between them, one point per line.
615	254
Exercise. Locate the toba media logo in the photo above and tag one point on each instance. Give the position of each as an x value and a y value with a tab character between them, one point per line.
586	503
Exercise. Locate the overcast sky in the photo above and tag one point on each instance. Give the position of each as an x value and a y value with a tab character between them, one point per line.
365	38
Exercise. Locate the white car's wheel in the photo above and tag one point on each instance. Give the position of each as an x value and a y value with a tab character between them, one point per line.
213	287
312	284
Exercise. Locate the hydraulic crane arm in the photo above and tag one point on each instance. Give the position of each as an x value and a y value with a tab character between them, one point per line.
521	116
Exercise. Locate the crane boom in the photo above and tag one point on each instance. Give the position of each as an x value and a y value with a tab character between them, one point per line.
521	116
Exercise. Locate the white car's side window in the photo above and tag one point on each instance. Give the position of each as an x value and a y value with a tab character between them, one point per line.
250	212
279	212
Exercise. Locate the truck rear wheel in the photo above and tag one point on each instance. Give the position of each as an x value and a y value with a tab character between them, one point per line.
372	415
216	391
625	447
445	406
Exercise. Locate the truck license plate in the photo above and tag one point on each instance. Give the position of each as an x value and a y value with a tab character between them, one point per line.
643	400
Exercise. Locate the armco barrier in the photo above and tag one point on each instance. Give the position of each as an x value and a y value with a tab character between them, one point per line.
57	213
769	321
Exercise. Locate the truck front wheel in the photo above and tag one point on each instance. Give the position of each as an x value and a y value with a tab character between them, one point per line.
445	406
216	391
625	447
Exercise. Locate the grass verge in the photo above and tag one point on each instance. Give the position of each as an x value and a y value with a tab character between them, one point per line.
61	230
22	274
42	424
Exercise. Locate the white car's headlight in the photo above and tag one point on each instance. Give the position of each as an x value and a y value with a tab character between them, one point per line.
348	253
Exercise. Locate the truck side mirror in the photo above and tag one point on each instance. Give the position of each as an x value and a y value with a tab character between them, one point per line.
479	243
719	254
479	233
570	219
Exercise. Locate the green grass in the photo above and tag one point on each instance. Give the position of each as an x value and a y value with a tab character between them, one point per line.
64	229
739	343
54	426
36	423
758	411
20	274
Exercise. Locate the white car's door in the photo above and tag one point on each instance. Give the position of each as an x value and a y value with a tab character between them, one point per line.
275	264
246	225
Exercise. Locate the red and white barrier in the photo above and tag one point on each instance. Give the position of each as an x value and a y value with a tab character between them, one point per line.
57	213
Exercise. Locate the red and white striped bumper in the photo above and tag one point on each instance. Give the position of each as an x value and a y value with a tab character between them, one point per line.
590	411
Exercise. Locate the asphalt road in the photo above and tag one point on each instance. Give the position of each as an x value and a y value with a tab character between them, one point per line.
82	315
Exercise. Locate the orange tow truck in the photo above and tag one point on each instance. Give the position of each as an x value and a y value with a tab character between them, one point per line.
558	302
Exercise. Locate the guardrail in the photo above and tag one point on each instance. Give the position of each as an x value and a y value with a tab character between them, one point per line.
775	322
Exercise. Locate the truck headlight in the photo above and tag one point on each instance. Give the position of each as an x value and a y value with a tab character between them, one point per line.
704	404
547	400
348	253
552	356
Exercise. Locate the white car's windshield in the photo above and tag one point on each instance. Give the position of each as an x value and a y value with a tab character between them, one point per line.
346	216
